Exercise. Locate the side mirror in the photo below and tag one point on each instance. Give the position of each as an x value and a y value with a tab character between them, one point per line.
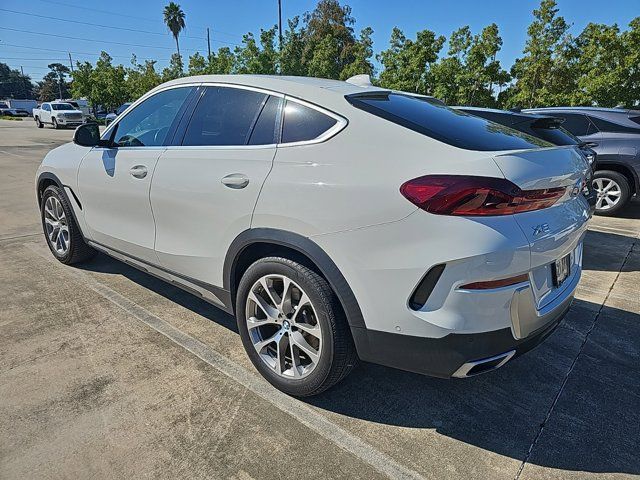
87	135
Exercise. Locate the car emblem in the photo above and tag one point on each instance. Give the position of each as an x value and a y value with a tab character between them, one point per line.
540	229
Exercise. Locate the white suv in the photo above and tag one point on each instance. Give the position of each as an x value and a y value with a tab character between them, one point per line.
336	221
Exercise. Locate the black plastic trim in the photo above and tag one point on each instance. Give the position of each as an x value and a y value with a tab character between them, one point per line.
442	357
221	293
305	246
423	290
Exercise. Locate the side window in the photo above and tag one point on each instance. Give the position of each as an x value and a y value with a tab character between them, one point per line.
266	129
575	123
304	123
607	126
148	124
46	107
224	116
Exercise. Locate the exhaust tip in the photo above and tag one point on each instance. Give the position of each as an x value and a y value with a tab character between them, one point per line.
484	365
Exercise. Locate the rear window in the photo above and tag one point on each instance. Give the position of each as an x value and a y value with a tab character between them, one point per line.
61	106
610	127
445	124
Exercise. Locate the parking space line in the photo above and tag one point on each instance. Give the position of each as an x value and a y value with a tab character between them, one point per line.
622	231
304	414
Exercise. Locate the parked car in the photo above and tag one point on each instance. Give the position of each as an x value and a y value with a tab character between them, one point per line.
545	127
10	112
335	221
110	117
58	114
617	135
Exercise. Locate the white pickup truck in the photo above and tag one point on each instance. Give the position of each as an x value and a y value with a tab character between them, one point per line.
58	114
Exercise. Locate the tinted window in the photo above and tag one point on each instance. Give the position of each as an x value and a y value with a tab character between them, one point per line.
575	123
4	105
304	123
266	128
606	126
557	136
445	124
224	116
62	106
46	107
148	124
122	108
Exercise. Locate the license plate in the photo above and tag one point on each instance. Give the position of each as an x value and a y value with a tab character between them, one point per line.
561	270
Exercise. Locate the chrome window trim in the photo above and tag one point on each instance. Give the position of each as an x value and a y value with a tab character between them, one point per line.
341	122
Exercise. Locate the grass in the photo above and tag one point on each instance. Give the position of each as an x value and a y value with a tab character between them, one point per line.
7	117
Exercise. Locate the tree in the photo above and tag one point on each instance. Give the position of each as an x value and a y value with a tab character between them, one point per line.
197	64
82	84
328	39
539	79
174	20
221	63
141	78
362	54
258	59
174	70
407	63
60	71
13	84
109	87
291	62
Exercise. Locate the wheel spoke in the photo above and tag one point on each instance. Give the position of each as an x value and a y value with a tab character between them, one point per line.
267	289
285	300
299	341
270	311
259	346
281	351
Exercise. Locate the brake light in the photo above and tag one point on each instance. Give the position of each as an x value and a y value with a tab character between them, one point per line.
503	282
475	196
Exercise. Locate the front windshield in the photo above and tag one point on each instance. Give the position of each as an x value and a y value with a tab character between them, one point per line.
62	106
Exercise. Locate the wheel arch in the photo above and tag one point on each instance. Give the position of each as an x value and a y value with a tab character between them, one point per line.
622	169
256	243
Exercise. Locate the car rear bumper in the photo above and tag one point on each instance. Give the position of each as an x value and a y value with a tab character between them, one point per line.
455	355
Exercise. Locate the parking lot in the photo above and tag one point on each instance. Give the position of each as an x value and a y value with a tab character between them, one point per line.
106	372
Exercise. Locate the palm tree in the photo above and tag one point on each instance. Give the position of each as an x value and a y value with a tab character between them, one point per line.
174	19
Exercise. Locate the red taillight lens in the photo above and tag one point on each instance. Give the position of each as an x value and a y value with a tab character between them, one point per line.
475	196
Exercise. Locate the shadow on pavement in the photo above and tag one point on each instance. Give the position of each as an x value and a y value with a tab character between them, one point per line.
595	425
604	251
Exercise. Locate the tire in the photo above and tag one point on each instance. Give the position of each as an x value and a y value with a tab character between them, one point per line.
321	314
54	124
76	250
39	123
612	190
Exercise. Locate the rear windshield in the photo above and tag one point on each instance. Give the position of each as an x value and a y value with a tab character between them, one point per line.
443	123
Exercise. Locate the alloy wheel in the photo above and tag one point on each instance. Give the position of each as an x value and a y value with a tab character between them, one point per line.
609	193
55	222
283	326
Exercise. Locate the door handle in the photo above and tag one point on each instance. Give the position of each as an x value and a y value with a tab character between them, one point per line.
235	180
138	171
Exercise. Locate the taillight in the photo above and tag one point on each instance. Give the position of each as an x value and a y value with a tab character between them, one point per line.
476	196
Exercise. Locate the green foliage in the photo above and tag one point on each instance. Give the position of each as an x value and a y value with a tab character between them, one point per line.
141	78
407	63
597	67
251	57
54	84
13	84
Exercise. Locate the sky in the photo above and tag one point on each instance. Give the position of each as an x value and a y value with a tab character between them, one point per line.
136	26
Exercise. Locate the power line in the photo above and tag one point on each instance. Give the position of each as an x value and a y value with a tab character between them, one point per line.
164	34
121	15
69	51
90	39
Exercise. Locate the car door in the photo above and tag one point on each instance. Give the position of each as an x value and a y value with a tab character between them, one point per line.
114	181
45	113
205	187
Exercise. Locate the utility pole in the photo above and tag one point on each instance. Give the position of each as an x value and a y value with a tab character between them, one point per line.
70	62
24	83
280	23
208	44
